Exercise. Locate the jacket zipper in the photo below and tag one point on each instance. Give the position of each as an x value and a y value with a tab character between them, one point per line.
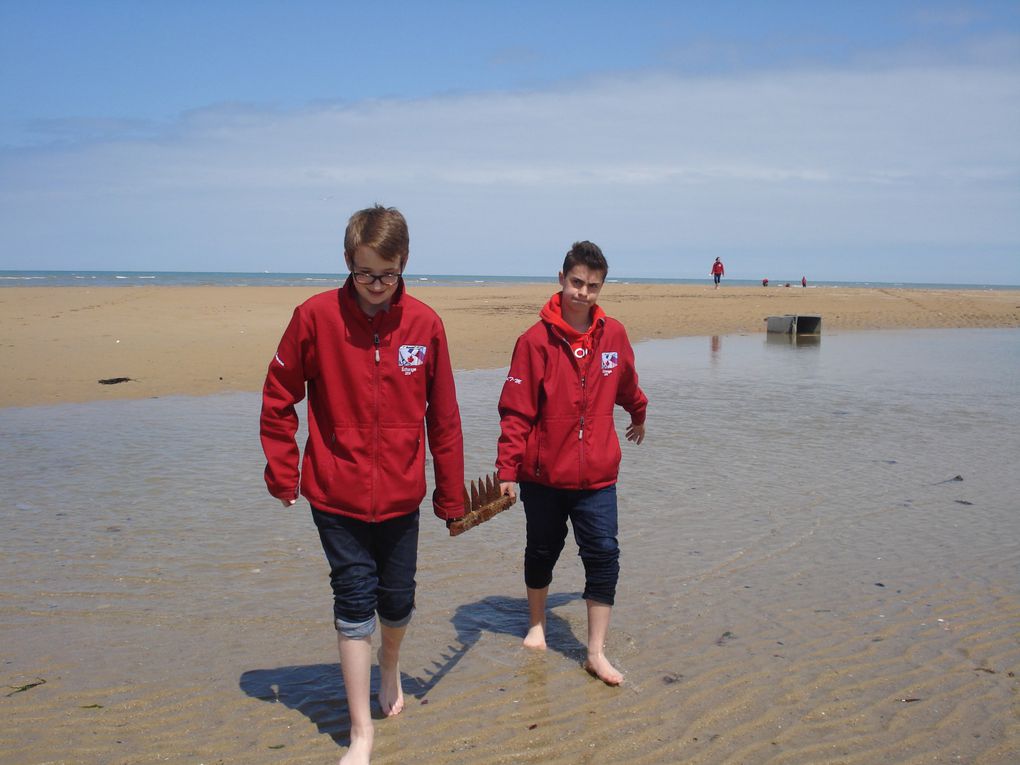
577	366
584	406
595	337
375	421
580	431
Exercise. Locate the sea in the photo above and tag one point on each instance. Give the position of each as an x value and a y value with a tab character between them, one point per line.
820	564
266	279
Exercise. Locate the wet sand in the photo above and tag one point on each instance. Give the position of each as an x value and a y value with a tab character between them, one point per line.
58	342
803	579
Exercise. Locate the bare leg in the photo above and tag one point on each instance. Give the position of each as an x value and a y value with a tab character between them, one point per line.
536	618
598	625
391	695
356	666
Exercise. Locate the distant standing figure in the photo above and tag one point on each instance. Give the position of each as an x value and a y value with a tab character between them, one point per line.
765	282
718	271
803	281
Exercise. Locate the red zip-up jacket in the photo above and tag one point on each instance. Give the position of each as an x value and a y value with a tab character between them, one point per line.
374	386
556	411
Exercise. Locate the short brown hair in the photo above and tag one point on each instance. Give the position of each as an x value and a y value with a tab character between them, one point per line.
381	228
586	254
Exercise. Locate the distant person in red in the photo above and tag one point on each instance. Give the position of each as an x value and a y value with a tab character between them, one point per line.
718	271
803	281
765	282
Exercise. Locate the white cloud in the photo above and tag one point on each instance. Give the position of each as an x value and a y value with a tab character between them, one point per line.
661	170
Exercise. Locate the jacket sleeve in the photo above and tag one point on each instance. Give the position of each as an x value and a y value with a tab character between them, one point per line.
284	387
518	408
629	394
446	440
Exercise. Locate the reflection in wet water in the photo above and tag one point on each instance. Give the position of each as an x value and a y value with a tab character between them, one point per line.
776	340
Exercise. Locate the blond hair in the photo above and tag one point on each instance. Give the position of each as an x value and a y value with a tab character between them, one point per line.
381	228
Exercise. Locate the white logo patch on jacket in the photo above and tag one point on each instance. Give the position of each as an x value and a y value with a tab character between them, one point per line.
610	361
410	357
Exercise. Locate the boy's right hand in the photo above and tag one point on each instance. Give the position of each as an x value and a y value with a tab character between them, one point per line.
506	488
287	502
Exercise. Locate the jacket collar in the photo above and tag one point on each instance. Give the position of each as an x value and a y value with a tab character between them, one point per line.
352	310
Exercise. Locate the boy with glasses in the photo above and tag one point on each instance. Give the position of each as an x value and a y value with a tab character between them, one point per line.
558	440
377	370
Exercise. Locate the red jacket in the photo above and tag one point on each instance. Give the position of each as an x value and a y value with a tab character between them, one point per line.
556	411
374	384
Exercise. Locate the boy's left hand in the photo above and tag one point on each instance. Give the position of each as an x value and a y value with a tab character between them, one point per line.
635	432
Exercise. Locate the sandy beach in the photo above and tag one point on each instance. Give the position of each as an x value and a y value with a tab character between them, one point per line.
804	579
820	565
59	342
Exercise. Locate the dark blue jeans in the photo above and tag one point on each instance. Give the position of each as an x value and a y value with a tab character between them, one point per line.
371	569
592	514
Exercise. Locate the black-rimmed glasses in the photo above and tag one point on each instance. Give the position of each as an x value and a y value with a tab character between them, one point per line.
388	279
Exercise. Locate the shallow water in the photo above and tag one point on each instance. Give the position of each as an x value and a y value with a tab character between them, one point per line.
803	579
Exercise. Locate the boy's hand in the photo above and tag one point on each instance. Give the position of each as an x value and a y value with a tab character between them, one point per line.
287	502
506	488
636	433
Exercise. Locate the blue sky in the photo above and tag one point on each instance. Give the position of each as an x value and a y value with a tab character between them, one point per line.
846	141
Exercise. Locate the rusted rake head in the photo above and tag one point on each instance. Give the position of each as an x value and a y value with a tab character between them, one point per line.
480	504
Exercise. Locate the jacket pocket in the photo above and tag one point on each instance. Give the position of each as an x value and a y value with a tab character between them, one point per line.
343	470
558	451
531	463
401	466
601	449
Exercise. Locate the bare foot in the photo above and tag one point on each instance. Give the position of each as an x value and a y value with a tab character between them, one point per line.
535	639
391	695
599	666
360	749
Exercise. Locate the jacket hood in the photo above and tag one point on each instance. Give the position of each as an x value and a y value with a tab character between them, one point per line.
580	342
552	314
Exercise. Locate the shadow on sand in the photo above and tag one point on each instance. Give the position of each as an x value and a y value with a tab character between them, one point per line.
317	690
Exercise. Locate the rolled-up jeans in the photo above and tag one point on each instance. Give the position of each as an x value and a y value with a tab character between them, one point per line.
592	515
371	570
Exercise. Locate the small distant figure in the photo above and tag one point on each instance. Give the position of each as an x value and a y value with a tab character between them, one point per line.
718	271
765	282
803	281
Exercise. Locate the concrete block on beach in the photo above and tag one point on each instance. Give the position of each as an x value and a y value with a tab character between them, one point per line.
794	324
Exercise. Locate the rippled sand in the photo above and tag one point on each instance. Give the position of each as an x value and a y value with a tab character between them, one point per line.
803	579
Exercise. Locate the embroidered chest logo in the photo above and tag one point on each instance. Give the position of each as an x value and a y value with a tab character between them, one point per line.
410	358
610	361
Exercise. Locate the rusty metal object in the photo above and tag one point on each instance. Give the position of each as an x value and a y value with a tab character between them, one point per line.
480	504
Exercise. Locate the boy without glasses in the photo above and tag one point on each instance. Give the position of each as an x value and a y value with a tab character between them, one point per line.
377	370
558	440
